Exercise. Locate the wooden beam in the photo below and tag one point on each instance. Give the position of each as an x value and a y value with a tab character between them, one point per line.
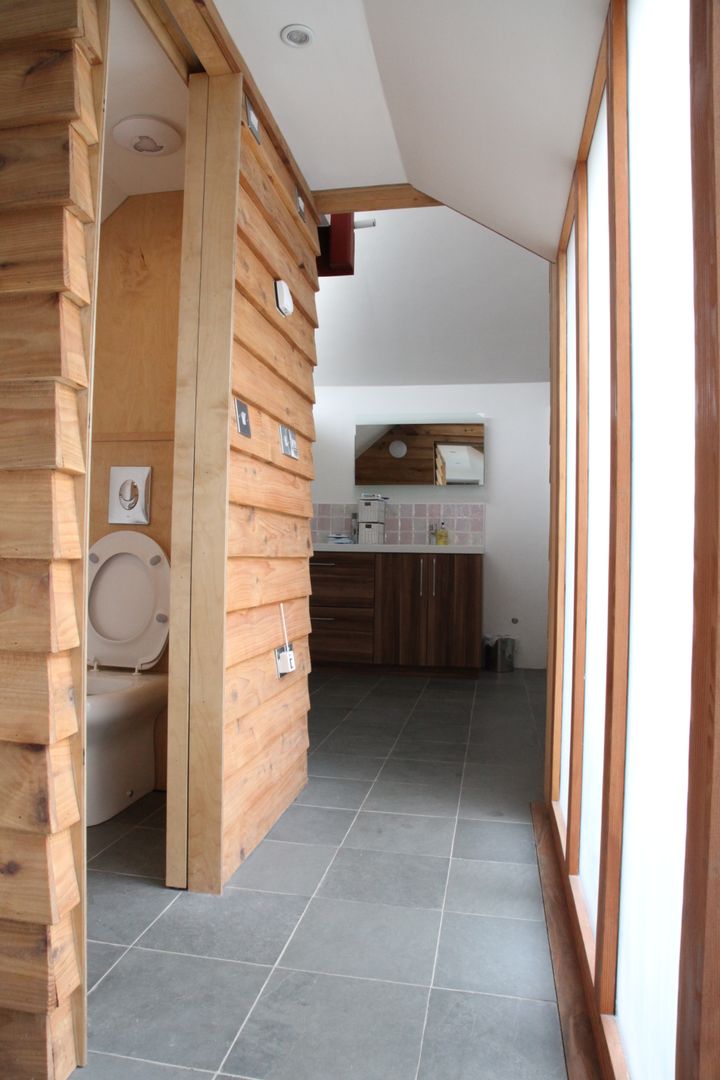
172	43
698	1032
596	93
378	197
620	516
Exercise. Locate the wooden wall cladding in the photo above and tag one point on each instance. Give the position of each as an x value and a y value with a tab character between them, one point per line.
51	89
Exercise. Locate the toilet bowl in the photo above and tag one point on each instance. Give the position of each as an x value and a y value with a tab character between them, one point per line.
128	603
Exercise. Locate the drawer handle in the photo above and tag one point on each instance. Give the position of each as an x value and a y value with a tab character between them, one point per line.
421	575
434	561
322	564
323	618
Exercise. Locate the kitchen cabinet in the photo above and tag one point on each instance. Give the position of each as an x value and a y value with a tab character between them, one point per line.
399	609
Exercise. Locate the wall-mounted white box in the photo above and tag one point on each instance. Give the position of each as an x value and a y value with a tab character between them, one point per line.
129	495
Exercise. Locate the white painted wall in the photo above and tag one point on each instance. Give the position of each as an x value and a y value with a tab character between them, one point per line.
516	490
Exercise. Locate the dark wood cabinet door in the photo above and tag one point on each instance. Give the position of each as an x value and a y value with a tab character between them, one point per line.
346	579
401	609
454	620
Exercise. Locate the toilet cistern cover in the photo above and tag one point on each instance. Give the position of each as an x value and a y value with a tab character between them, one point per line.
128	601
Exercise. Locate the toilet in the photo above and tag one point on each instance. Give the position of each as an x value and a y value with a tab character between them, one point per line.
128	605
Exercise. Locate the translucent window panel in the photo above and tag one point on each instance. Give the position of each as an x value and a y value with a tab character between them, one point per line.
571	471
598	510
661	601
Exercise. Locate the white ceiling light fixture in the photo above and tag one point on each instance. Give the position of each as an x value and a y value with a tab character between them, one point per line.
296	35
147	136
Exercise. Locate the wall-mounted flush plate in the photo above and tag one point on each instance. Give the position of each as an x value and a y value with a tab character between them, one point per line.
242	418
283	298
252	120
284	660
129	495
288	442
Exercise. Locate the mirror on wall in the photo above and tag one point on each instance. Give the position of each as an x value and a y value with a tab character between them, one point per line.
437	454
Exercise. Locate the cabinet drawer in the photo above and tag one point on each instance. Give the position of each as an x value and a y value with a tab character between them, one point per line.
342	634
346	580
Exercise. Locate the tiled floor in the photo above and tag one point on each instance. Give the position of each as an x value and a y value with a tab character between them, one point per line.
389	928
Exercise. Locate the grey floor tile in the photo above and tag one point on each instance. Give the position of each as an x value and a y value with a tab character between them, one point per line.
157	820
344	766
411	834
498	796
100	958
239	925
495	841
480	1037
312	825
371	745
121	907
439	798
324	791
418	728
284	868
180	1009
495	956
106	1067
141	808
322	1027
509	890
374	941
422	749
330	715
386	878
420	772
101	836
140	852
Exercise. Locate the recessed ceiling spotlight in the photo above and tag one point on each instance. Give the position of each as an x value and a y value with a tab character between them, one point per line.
296	35
147	136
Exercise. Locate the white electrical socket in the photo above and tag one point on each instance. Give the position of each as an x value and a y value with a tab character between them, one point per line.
285	660
283	298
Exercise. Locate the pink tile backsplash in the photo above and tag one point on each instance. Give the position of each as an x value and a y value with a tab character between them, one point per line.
407	523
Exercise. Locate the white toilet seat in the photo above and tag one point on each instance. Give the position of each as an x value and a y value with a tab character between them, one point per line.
128	601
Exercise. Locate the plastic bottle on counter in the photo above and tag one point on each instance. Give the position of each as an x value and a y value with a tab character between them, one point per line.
441	535
432	534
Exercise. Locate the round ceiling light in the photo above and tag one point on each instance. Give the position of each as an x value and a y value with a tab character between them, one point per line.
398	448
296	35
147	136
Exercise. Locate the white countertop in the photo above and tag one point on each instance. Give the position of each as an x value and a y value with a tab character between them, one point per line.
400	549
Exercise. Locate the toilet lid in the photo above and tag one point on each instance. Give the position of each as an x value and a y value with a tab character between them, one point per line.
128	601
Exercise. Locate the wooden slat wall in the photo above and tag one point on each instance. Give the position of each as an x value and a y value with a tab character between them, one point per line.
265	725
51	92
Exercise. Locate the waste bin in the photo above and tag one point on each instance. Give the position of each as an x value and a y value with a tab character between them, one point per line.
499	653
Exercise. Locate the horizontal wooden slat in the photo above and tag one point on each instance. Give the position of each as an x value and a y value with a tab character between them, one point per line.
263	191
41	85
280	176
264	443
45	166
254	483
253	632
39	516
36	1046
39	787
37	606
256	384
251	329
248	736
48	22
264	533
39	966
39	427
377	197
258	285
274	255
41	338
37	698
38	882
43	251
254	582
252	682
243	833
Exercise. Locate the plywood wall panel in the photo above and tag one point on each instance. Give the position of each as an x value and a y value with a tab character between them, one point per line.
258	284
264	341
37	703
46	165
253	531
41	338
257	384
254	582
260	237
254	631
252	682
